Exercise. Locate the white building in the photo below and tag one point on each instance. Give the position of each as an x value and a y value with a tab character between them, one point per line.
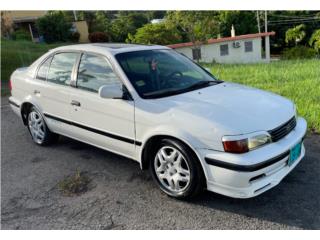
236	49
155	21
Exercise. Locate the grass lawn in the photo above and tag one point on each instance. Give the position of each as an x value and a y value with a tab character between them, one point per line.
297	80
15	54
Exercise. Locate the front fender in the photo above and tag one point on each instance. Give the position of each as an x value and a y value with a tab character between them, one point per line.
182	135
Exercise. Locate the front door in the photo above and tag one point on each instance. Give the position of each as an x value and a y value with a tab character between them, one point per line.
107	123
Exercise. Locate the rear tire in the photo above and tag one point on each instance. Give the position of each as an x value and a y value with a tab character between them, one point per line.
176	169
38	129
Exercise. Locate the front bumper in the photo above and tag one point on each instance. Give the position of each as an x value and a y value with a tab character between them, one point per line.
250	174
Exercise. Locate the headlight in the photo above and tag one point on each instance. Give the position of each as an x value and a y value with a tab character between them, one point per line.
245	143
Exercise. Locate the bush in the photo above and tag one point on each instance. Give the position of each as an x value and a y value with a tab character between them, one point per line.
74	37
299	52
315	40
98	37
21	35
54	27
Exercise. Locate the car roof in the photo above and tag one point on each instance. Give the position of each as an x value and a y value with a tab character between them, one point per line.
109	48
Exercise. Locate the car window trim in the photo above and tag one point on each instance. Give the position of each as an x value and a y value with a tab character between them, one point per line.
52	56
40	65
106	58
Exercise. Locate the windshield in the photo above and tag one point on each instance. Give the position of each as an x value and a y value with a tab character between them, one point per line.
160	73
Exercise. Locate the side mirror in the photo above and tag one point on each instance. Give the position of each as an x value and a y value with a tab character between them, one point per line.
111	91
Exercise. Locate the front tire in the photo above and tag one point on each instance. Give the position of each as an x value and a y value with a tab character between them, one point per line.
40	133
176	169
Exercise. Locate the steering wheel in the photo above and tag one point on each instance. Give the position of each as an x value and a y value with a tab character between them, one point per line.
171	77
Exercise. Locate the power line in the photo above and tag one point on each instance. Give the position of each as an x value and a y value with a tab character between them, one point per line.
293	20
292	16
289	23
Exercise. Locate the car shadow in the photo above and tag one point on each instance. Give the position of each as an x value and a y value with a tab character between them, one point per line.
294	202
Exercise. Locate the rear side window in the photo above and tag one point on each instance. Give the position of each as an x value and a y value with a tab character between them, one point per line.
61	68
43	70
94	72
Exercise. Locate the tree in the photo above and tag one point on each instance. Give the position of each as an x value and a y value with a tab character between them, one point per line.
295	34
154	15
101	23
89	17
244	22
281	21
98	21
54	27
6	25
198	26
159	33
315	40
125	23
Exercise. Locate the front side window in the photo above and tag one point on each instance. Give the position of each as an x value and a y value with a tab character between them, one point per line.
94	72
43	69
160	73
224	50
61	67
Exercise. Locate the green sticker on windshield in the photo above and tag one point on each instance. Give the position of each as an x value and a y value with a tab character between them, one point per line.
140	83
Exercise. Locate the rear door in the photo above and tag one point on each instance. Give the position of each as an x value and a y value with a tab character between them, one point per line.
52	89
108	123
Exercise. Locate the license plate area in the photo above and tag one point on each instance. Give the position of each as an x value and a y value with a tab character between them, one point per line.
294	153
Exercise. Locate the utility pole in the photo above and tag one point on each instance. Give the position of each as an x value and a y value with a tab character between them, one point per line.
75	15
258	21
265	21
267	40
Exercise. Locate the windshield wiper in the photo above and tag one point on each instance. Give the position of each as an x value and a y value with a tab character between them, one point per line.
201	85
164	93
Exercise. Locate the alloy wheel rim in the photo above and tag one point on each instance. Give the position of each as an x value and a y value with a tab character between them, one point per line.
172	169
36	126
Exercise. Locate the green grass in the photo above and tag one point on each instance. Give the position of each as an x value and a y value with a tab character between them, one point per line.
15	54
298	80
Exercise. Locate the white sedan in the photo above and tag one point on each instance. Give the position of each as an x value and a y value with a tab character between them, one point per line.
159	108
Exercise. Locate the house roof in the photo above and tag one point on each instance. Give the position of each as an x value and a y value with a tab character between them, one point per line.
225	39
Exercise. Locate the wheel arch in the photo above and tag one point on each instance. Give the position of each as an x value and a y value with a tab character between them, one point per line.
25	108
152	141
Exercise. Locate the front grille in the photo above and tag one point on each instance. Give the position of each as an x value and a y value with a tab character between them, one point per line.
283	130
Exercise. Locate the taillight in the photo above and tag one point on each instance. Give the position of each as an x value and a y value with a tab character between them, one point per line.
238	146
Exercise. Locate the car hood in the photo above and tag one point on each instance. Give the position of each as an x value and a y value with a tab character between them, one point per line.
233	107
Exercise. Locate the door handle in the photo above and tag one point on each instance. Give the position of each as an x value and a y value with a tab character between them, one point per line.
36	92
75	103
